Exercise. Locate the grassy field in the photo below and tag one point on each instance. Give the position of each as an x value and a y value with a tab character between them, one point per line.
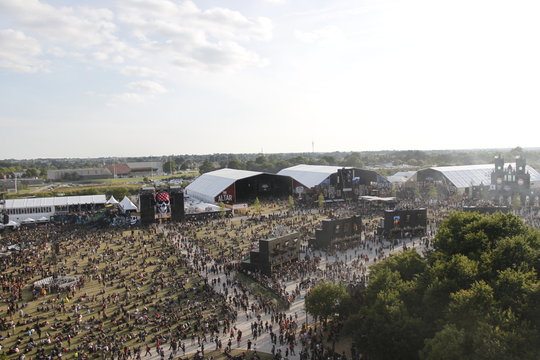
184	175
218	355
142	276
257	289
96	186
120	256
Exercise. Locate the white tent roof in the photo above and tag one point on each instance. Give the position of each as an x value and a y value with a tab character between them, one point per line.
310	175
28	220
401	177
55	201
112	200
43	219
126	204
12	223
209	185
466	175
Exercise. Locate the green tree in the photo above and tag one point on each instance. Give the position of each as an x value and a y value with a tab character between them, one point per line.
516	202
222	211
353	159
475	296
31	173
325	300
234	163
206	166
320	201
170	166
291	202
257	205
433	194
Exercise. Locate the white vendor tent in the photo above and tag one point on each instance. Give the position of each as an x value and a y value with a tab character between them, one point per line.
127	204
112	201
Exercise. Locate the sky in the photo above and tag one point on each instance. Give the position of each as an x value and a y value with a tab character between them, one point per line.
161	77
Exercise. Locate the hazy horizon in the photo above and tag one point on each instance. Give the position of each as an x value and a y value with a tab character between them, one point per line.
116	78
276	153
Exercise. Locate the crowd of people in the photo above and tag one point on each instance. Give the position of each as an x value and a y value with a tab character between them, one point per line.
173	290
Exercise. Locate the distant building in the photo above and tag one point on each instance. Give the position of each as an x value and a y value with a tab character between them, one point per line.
145	168
464	177
119	170
79	174
509	180
136	169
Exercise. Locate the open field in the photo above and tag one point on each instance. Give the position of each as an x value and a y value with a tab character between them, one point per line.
135	290
96	186
136	286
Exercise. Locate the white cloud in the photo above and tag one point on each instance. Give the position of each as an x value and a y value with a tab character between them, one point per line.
192	38
89	33
141	71
128	97
176	35
78	27
327	35
19	52
147	86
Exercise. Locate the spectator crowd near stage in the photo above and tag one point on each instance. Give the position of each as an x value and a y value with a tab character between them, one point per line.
175	290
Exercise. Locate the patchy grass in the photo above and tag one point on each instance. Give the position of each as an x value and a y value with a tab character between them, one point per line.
258	289
80	254
218	355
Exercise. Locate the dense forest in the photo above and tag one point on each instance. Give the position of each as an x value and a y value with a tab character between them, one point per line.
387	162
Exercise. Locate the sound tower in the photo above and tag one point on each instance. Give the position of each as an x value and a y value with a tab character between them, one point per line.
148	210
406	220
177	205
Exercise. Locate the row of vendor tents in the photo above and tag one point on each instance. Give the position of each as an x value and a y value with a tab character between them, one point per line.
125	205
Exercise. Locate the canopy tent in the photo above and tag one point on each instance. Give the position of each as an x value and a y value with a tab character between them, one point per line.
12	223
28	220
43	219
310	175
112	201
209	185
377	198
127	205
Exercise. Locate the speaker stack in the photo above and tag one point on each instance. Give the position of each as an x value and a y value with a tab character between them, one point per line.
177	204
148	209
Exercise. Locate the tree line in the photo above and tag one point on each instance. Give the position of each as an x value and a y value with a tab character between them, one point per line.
387	162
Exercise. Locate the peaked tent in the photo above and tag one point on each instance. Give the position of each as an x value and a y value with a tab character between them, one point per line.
127	205
12	223
112	200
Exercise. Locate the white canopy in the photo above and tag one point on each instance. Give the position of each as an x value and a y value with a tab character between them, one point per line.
311	175
127	205
43	219
55	201
209	185
112	200
12	224
28	220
